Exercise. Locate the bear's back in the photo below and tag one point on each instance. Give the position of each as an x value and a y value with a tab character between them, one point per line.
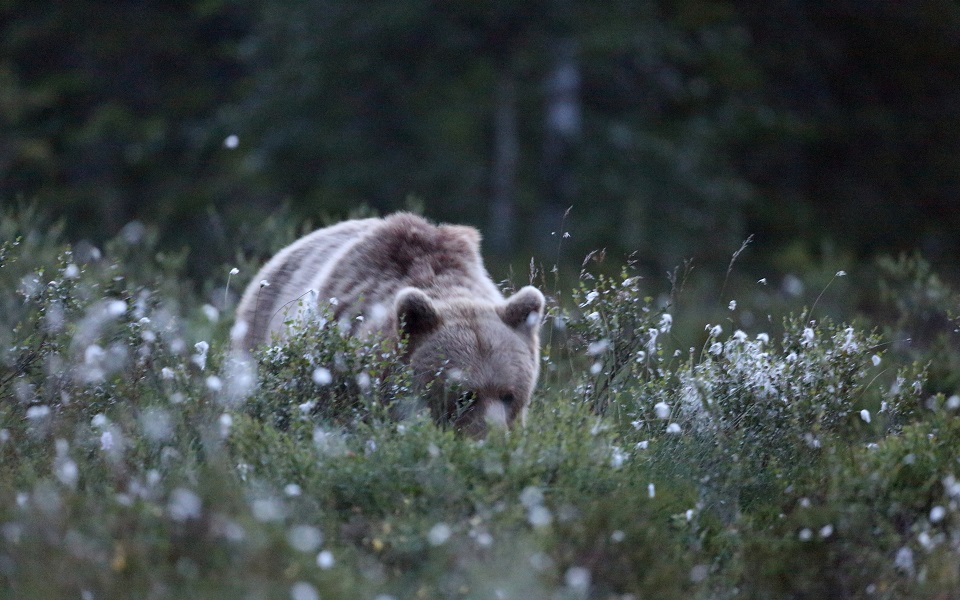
290	274
356	268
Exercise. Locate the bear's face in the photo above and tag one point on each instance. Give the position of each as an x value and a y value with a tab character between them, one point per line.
477	364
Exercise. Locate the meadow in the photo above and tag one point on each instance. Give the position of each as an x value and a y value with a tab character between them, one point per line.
794	456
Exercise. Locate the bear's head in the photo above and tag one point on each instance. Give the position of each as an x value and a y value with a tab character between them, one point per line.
476	363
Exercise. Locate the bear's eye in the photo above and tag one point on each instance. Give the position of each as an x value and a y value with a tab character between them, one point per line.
465	399
507	399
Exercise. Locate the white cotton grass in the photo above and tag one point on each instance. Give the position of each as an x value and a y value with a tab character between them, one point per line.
439	534
937	514
662	410
322	376
184	504
325	560
617	457
304	538
210	312
538	515
578	579
200	357
302	590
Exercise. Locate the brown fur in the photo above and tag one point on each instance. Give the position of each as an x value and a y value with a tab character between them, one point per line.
403	274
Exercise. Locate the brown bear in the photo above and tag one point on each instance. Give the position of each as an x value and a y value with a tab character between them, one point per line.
401	276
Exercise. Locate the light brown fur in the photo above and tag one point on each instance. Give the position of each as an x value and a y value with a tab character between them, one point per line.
475	354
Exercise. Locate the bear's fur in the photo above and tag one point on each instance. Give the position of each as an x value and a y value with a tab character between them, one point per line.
475	353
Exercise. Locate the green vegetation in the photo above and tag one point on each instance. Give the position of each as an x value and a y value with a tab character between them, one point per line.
140	458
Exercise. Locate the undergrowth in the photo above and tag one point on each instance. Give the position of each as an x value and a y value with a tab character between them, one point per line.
141	457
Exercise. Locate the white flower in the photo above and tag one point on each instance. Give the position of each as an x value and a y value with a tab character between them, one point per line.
183	505
826	531
234	271
666	322
211	312
673	428
214	383
591	296
763	338
231	142
106	440
841	273
264	283
200	358
716	348
617	457
662	410
304	538
876	360
865	415
808	337
325	560
439	534
93	354
578	579
651	490
115	308
226	422
35	413
805	535
904	559
540	516
937	513
732	305
71	272
302	590
363	380
597	347
531	496
322	376
762	281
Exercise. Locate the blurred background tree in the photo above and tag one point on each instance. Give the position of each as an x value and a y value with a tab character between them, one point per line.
673	128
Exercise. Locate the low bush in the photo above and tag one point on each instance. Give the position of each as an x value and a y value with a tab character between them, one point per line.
140	456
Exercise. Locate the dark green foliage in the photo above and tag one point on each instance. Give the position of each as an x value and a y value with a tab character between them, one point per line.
140	457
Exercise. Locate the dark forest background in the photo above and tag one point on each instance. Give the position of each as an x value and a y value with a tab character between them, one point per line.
830	130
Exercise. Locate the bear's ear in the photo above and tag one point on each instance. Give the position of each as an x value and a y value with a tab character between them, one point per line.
524	310
416	314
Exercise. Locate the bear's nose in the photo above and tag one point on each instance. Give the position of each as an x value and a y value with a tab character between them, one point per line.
495	413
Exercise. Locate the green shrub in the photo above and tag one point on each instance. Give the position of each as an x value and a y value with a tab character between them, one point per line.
140	456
